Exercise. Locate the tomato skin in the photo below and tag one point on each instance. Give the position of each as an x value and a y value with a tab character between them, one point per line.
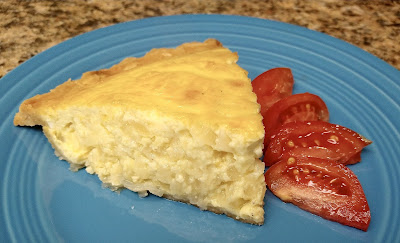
346	143
272	85
297	107
322	187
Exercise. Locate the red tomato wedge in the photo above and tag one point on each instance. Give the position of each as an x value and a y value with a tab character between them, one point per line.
272	86
322	187
297	107
341	143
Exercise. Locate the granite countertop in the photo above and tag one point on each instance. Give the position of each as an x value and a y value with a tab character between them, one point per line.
30	27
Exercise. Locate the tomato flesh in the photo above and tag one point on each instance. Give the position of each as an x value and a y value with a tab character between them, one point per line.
272	85
340	142
297	107
315	152
322	187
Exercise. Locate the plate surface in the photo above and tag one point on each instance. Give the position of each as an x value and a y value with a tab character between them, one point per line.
42	201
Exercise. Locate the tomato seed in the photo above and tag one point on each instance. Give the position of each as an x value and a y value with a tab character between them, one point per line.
333	180
290	143
291	161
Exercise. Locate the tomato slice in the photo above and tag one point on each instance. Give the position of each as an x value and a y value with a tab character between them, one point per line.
341	141
322	187
297	107
272	85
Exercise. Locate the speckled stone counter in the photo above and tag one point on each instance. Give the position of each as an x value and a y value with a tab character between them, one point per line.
30	27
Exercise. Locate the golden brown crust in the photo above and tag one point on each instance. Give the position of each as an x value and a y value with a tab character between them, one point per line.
218	211
27	115
155	55
24	117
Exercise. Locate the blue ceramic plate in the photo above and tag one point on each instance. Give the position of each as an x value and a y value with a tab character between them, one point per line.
42	201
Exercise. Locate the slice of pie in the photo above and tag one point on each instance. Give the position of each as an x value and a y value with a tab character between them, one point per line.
179	123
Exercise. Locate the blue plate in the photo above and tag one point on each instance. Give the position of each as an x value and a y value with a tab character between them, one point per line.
42	201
